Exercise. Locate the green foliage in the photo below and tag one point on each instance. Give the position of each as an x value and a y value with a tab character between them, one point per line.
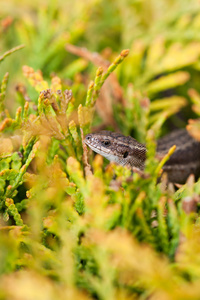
73	229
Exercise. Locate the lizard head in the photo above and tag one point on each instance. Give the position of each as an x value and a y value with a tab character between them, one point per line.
116	147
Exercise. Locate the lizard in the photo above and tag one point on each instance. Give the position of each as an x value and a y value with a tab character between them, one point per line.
127	151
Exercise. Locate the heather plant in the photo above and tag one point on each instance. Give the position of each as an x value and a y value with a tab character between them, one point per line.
72	225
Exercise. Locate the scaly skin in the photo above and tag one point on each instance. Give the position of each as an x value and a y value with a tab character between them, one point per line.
125	150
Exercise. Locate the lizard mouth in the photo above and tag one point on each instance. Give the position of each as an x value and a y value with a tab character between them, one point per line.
95	146
102	151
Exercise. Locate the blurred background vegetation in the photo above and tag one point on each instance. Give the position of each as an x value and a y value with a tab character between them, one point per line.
68	230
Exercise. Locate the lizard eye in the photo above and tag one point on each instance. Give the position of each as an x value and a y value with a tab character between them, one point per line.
87	137
125	154
106	143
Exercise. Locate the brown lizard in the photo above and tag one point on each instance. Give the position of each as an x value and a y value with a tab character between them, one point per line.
127	151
